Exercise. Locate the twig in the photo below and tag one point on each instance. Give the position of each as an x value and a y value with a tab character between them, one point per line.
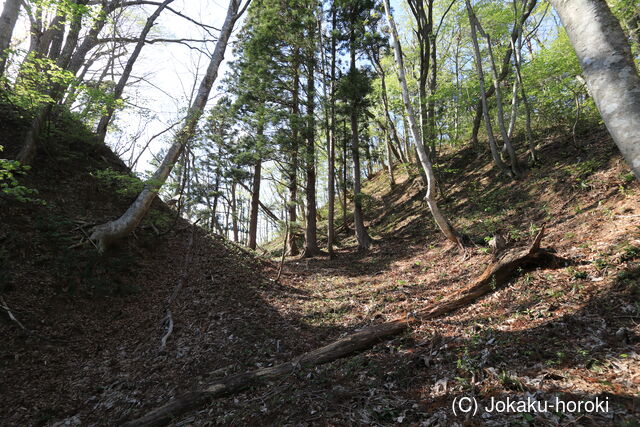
284	249
169	330
183	277
89	238
11	316
76	245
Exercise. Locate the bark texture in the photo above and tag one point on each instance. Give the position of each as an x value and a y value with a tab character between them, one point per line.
609	70
425	161
8	21
255	204
364	240
311	229
106	234
483	94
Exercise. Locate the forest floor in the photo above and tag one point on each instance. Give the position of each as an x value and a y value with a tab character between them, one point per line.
564	332
87	350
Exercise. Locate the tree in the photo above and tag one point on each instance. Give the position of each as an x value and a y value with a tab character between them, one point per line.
438	216
106	234
330	120
101	130
505	67
483	95
255	192
8	21
609	70
311	237
356	18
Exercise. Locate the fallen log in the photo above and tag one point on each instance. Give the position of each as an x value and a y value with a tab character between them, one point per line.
495	275
343	347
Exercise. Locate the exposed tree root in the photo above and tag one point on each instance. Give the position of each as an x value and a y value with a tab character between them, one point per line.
6	308
495	275
183	278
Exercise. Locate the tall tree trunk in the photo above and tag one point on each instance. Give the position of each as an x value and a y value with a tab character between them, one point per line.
234	212
255	204
432	83
609	69
101	130
483	95
438	216
56	40
514	109
456	117
368	158
112	231
364	241
331	136
424	30
29	147
391	130
344	175
517	47
311	228
505	68
392	178
214	209
8	21
402	157
71	42
293	167
496	84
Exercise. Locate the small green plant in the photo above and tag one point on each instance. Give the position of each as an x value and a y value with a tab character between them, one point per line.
560	357
627	178
125	184
601	263
509	382
627	275
9	185
515	234
630	252
577	274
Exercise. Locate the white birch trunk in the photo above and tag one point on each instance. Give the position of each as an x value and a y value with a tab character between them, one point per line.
438	216
8	21
609	70
483	95
112	231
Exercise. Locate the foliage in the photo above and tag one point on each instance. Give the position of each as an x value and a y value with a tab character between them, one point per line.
38	78
9	185
124	183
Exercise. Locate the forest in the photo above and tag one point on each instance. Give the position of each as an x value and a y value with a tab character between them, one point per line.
320	212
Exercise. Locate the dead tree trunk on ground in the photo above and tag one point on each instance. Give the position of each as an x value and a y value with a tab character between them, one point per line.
494	276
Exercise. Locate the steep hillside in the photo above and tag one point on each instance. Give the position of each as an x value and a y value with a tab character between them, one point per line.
87	345
567	330
81	333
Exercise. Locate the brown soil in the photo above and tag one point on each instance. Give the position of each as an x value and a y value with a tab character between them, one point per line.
90	354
